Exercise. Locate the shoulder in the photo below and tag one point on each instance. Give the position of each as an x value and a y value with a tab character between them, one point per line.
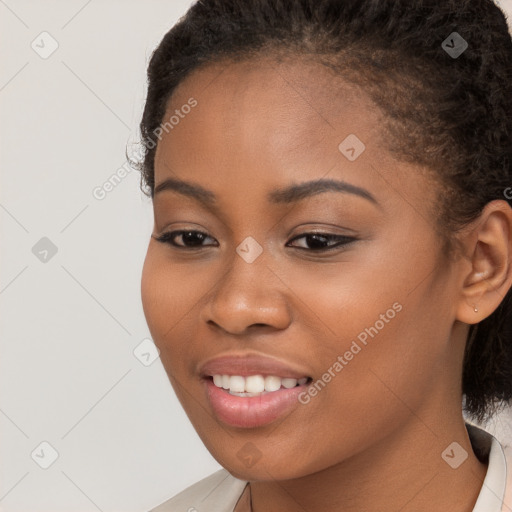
218	492
507	499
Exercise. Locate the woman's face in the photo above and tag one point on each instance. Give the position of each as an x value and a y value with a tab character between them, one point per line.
368	322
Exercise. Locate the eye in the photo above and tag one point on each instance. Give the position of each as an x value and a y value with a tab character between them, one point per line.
319	242
191	239
315	242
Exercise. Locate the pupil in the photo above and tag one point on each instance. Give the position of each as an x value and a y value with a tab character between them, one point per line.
191	237
317	241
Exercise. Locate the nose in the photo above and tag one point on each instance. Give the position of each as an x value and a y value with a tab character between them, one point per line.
247	296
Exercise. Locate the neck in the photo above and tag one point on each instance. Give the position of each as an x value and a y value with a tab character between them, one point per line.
403	471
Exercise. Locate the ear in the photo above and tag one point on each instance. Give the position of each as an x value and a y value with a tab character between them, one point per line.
488	273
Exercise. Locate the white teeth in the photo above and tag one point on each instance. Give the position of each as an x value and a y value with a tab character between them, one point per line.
255	385
272	383
289	383
237	384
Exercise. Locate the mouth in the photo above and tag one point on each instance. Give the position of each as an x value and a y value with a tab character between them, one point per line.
239	401
250	390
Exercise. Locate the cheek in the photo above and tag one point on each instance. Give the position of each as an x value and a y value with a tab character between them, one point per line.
171	296
346	299
168	293
154	298
376	389
379	317
165	302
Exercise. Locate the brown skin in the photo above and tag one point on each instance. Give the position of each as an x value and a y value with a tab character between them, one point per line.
372	438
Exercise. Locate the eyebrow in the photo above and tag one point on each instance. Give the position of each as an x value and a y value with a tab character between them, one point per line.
287	195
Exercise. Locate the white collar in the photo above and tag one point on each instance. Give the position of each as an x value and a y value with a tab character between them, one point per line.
487	447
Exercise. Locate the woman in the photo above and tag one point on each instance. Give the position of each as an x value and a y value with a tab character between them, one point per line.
329	273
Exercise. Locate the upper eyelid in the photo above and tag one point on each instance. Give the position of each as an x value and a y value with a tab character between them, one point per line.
299	235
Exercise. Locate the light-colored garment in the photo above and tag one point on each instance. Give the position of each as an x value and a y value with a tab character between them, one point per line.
220	491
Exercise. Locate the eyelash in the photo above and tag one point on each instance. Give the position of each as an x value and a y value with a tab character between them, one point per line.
168	238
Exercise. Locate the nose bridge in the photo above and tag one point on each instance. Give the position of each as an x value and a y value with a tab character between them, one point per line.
247	293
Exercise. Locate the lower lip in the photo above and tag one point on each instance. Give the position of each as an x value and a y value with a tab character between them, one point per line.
254	411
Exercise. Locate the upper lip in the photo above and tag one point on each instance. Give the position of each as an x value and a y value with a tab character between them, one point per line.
250	364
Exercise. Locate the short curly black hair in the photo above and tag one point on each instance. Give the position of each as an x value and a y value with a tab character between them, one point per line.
450	113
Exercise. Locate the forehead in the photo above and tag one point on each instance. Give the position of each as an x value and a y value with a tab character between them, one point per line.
265	108
261	123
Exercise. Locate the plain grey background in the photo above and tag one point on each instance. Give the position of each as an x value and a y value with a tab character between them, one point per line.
88	419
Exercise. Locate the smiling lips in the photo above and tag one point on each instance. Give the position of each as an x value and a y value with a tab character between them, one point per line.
251	391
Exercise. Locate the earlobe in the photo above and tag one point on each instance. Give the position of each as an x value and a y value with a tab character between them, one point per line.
489	249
